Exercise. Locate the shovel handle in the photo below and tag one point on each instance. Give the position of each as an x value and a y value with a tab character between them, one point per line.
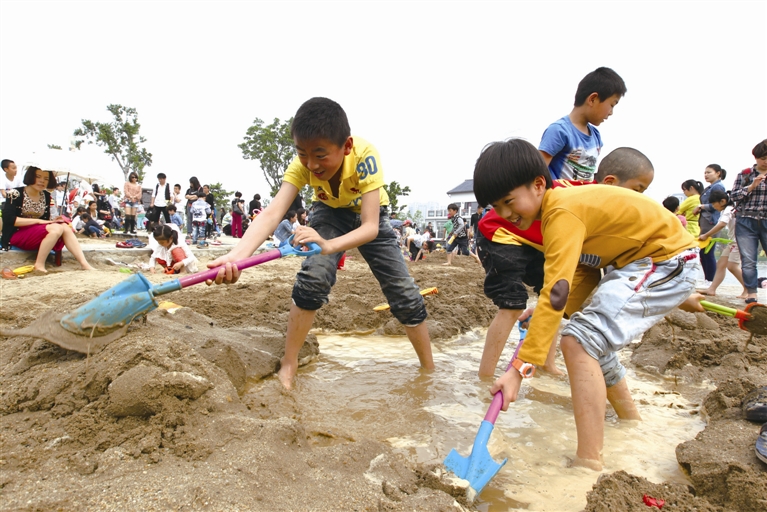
497	403
724	310
284	250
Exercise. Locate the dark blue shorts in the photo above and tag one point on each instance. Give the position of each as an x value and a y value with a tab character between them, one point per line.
382	254
508	268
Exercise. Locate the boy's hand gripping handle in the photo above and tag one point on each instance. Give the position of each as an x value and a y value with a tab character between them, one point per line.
497	403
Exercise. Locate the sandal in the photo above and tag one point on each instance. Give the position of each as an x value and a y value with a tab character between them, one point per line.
750	300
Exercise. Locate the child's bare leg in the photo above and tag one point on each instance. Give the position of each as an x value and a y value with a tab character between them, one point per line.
419	337
721	269
621	400
550	366
299	323
497	335
589	397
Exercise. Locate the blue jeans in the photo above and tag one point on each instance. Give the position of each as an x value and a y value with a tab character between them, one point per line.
382	254
198	231
627	302
749	233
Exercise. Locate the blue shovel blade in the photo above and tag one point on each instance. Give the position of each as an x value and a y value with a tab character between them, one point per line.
479	467
113	309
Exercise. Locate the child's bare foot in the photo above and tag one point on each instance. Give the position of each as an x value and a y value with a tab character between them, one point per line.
578	462
87	267
287	373
743	294
446	264
39	270
551	369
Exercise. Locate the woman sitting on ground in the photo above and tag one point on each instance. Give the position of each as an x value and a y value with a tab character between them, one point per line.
28	225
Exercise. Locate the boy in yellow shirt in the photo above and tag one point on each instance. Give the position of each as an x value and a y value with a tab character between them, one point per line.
651	262
350	210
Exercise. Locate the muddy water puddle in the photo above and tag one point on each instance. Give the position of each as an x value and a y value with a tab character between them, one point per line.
370	387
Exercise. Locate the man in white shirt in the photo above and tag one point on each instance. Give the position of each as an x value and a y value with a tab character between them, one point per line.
161	196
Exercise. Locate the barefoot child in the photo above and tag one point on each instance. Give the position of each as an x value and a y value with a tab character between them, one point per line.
730	258
652	260
350	210
170	251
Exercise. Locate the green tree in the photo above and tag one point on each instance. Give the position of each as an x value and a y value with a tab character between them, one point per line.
273	148
221	196
395	191
54	146
417	218
120	138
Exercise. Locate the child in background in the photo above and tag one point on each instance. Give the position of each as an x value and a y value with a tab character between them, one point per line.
90	227
650	261
458	240
692	189
730	258
175	217
285	229
170	251
571	145
199	211
671	204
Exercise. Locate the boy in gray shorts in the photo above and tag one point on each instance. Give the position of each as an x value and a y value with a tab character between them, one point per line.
651	262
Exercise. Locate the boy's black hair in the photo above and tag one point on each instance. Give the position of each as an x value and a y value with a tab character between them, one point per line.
623	163
177	185
290	214
760	149
29	177
718	195
6	163
161	176
697	185
504	166
165	232
321	118
718	168
257	197
172	208
671	203
452	206
603	81
85	216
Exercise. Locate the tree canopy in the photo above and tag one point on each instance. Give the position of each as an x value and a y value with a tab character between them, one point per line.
395	191
272	146
220	196
120	138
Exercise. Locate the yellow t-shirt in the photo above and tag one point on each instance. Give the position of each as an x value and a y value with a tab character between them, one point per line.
687	208
588	228
361	172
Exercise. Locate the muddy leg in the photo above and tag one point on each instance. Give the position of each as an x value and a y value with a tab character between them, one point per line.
299	323
419	337
497	335
621	400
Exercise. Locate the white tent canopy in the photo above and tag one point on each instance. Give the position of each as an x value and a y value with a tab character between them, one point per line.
83	165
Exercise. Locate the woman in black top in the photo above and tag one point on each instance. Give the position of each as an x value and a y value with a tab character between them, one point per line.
192	193
255	204
27	221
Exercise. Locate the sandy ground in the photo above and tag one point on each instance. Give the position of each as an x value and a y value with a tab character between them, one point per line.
160	420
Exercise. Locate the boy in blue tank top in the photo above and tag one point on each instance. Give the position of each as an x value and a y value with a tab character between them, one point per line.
571	145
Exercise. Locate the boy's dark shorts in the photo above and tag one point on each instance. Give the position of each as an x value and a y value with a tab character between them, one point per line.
382	254
508	268
461	243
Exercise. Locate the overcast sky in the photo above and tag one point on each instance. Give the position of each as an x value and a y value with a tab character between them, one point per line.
428	83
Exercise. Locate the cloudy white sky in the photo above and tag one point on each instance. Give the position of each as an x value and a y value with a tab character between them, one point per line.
429	83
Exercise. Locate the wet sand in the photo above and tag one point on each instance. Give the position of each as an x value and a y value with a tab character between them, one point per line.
182	412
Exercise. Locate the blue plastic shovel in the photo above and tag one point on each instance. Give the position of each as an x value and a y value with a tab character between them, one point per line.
479	467
106	318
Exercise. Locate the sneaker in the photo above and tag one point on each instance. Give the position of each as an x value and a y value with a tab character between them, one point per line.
761	444
755	405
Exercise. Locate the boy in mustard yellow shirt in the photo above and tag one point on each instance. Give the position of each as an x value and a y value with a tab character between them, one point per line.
651	267
350	210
